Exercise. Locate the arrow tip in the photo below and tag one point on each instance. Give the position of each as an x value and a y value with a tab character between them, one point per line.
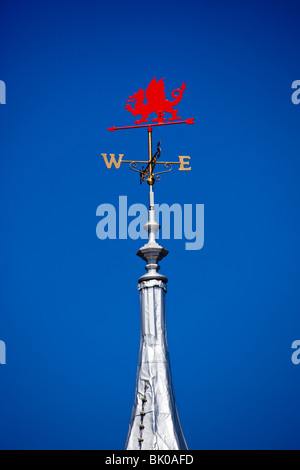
111	129
190	121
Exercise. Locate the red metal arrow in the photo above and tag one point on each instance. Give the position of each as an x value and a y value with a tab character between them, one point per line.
188	121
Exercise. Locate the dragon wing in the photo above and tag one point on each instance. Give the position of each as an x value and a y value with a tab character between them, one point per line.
156	91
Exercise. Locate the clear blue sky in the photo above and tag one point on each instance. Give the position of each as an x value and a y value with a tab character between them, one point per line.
69	307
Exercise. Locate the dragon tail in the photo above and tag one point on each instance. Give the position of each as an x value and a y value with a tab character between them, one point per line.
177	94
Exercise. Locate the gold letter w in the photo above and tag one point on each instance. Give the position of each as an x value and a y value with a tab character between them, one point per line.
112	160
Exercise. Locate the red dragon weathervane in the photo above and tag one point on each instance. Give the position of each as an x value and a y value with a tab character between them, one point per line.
157	103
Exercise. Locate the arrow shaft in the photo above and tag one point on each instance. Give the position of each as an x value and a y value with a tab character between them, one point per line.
188	121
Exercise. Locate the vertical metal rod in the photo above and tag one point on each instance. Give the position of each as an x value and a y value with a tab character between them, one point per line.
151	198
150	143
150	180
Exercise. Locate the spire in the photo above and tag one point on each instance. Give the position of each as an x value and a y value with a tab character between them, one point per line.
154	423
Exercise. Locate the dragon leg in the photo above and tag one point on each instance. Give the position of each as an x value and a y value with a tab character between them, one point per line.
174	115
143	119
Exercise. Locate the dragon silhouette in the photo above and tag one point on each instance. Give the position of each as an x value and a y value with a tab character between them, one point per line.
156	102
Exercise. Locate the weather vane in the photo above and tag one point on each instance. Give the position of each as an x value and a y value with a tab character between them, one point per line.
157	103
154	422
